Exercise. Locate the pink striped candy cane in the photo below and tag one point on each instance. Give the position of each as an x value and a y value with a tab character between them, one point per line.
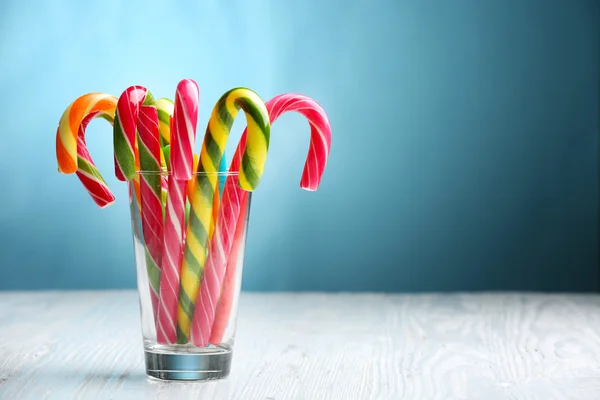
228	288
233	197
150	193
124	131
183	135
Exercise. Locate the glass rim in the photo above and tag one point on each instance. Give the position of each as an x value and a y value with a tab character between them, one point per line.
164	172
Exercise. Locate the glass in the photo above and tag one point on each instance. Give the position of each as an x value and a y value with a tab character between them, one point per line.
179	361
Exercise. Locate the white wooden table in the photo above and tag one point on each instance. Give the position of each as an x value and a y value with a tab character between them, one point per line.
87	345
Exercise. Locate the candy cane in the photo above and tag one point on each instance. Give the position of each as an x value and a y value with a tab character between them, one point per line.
318	153
254	157
165	109
71	149
183	134
136	111
228	289
217	197
151	192
124	130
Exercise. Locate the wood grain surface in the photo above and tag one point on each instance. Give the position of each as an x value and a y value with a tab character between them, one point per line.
87	345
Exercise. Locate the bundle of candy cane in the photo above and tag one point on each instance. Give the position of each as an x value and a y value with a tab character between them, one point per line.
192	221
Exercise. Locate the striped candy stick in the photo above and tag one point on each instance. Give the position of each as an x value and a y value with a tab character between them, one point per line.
173	239
222	176
215	213
190	186
165	109
71	150
217	197
233	196
135	182
87	171
151	191
164	183
228	289
254	158
124	131
183	132
166	152
125	139
185	120
167	156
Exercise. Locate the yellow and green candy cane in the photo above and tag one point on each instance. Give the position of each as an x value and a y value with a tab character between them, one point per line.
215	140
165	108
217	197
166	151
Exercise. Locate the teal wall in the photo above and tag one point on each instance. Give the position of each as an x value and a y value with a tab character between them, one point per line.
465	138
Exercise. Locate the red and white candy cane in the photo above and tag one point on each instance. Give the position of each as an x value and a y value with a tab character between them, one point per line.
183	135
234	196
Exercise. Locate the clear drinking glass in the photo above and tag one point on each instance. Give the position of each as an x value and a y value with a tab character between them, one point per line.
187	361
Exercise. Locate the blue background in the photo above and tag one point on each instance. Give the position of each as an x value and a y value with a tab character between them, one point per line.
465	138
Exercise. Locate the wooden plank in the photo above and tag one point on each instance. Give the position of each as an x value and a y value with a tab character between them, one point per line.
87	345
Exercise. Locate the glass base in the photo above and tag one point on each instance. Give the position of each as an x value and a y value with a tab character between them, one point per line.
188	366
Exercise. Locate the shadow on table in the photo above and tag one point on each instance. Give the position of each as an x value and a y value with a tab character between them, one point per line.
89	382
52	374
